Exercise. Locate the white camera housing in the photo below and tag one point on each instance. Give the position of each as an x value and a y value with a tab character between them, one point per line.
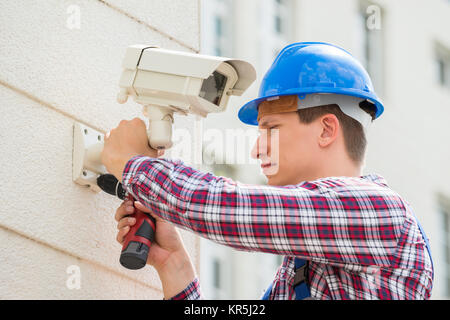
167	81
164	82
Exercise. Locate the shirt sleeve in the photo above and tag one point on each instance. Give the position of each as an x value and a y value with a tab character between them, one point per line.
191	292
326	220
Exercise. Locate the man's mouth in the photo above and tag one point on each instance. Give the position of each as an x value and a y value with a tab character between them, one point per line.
268	167
265	166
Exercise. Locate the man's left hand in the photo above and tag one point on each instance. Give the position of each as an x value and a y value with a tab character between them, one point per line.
129	139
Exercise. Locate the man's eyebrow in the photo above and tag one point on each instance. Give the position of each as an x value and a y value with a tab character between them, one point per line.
266	123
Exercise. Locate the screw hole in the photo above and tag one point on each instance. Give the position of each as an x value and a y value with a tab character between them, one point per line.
99	138
85	131
84	173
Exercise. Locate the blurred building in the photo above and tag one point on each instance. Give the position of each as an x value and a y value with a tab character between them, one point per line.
405	46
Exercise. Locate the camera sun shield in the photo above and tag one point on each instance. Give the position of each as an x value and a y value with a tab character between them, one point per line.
186	82
167	81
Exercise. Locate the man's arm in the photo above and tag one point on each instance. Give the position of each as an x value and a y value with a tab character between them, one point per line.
358	226
179	281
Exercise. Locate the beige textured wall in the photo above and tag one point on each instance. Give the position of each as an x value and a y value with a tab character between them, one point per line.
50	77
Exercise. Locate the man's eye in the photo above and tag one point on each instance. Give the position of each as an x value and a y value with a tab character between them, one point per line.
267	130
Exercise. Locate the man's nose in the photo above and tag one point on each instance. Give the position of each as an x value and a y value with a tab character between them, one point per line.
260	148
254	153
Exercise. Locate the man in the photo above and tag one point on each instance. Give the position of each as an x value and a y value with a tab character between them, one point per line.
342	235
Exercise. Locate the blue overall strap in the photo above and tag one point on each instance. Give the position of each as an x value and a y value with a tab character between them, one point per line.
267	293
427	244
301	288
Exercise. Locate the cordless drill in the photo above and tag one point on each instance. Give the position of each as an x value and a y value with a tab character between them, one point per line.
139	239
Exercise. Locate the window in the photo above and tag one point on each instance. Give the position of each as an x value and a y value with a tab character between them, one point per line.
278	23
216	274
281	17
444	205
442	66
221	35
216	270
217	27
275	29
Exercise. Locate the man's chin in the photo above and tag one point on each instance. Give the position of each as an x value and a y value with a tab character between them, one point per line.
273	180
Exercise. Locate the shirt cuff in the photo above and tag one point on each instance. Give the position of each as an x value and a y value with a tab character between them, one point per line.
191	292
131	167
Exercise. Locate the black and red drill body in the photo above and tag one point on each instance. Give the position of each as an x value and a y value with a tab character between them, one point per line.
139	239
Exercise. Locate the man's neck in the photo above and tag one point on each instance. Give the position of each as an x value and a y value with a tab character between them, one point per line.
349	171
333	171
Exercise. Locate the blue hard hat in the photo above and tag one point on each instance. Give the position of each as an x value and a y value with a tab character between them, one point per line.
313	67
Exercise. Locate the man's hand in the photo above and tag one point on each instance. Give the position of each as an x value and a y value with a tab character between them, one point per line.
167	238
167	254
124	142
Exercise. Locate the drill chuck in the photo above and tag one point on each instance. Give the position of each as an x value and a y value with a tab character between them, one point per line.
110	184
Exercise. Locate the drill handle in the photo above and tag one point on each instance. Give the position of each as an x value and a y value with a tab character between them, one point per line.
138	241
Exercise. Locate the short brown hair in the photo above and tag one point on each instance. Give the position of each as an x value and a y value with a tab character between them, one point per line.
354	136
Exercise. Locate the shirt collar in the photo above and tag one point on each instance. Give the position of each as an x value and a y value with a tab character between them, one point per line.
376	178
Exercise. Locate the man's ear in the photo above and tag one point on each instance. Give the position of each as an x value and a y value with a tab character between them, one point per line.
329	129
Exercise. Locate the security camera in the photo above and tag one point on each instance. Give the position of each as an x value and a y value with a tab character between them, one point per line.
166	81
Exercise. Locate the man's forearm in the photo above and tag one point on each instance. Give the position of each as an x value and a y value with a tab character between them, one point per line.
176	274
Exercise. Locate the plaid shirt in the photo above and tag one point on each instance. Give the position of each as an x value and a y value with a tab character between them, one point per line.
361	238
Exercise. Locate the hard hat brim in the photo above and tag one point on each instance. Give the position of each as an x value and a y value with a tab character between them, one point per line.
248	113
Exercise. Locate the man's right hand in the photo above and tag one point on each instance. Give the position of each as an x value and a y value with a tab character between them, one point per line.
167	254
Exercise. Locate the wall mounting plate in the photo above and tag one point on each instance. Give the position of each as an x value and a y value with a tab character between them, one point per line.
87	148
